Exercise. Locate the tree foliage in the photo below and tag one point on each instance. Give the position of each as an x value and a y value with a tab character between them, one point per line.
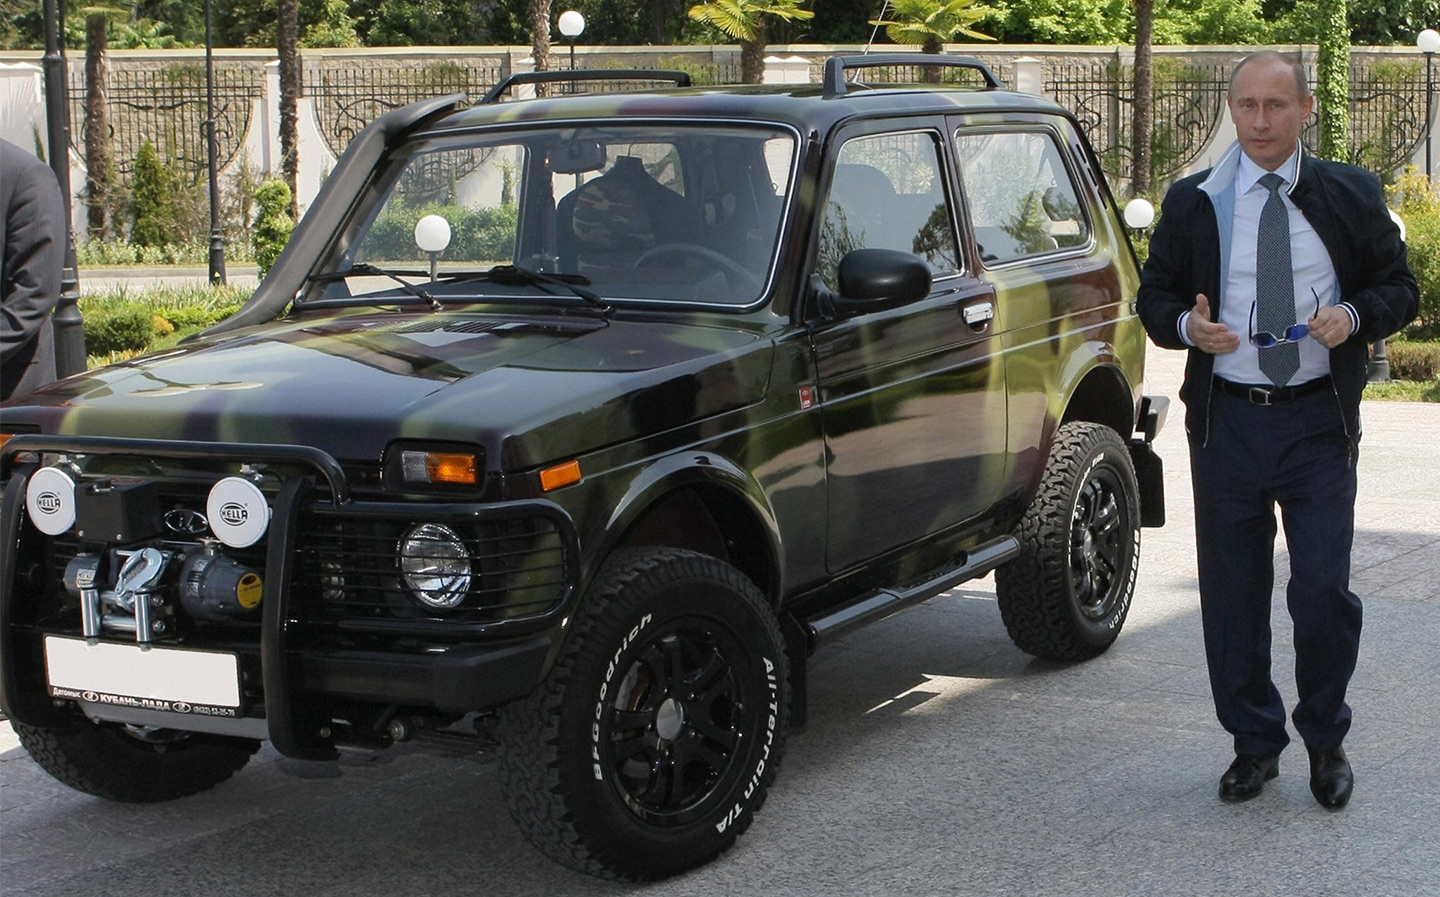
930	23
746	21
154	203
1332	76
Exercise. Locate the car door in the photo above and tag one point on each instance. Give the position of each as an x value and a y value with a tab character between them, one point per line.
1032	234
913	402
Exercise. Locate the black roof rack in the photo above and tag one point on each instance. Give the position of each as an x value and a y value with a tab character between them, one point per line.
836	66
680	79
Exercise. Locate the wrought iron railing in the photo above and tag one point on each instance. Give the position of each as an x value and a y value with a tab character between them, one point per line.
166	108
348	95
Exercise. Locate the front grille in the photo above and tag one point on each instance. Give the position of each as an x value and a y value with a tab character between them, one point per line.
348	568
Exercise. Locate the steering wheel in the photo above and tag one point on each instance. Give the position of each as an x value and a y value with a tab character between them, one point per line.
654	257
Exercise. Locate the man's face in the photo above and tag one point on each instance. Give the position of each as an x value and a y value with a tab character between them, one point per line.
1268	112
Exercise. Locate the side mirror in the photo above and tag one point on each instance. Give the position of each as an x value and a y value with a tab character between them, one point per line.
874	280
1139	213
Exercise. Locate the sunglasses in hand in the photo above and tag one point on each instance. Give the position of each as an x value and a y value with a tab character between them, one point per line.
1267	340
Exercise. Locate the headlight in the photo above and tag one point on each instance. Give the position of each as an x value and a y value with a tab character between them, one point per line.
435	565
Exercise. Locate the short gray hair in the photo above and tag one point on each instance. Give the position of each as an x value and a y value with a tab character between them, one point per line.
1296	68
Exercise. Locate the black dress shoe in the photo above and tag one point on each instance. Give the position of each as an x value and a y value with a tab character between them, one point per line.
1246	776
1331	779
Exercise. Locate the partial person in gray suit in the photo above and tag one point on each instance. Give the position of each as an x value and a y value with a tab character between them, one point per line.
32	257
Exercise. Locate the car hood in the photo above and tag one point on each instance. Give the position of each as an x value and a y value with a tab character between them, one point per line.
530	390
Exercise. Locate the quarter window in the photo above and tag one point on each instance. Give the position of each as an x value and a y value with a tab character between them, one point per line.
888	193
1022	200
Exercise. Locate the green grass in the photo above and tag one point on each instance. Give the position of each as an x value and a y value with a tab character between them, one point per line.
122	323
1404	391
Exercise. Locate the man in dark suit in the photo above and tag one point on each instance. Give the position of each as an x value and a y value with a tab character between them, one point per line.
1273	270
32	257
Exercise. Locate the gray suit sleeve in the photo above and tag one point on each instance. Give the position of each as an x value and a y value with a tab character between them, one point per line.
34	252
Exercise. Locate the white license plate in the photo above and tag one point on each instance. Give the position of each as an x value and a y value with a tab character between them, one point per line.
205	683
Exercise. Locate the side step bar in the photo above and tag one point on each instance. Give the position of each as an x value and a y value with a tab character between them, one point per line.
888	602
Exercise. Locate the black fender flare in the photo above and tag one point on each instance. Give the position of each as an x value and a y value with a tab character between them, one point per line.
673	472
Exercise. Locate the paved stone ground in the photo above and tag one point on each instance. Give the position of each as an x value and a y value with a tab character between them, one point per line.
938	760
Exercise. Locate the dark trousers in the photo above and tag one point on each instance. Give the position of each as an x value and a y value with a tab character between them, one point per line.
1294	454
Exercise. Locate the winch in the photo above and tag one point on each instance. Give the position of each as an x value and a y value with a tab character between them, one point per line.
142	598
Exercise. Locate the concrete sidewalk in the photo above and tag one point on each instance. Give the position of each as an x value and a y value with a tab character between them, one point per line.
938	760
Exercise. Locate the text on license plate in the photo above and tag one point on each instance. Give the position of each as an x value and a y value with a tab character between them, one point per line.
206	683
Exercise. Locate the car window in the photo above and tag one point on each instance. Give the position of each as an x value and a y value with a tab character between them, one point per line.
674	212
888	193
1021	198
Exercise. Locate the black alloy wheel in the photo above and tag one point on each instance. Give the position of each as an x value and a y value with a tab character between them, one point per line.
654	740
1067	595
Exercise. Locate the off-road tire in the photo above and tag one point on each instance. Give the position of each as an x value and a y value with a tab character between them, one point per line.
133	765
651	745
1067	594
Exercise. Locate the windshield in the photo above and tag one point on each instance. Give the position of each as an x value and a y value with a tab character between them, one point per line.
672	212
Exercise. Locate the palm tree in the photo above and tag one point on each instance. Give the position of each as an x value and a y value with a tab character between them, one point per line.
930	23
1143	120
97	127
287	48
540	40
745	21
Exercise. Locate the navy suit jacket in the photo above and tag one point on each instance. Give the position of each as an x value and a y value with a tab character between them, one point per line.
32	258
1346	206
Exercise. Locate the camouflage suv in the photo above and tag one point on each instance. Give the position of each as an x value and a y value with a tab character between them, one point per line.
578	424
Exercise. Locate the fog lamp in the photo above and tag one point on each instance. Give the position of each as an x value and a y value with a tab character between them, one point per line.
435	566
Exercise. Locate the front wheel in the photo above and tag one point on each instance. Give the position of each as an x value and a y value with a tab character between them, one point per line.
1067	594
653	742
135	764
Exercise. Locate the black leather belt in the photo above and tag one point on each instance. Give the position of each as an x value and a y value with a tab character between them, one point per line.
1271	395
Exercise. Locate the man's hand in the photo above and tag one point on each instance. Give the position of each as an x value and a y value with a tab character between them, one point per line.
1331	326
1210	336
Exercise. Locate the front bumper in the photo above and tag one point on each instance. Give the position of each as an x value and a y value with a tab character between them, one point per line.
320	639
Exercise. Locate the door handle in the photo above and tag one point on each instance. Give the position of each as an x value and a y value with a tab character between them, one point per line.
976	315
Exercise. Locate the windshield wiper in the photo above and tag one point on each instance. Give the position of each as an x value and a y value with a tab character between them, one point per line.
513	275
365	268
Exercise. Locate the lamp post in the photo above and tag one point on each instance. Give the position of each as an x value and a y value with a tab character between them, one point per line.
1428	42
67	322
572	23
212	150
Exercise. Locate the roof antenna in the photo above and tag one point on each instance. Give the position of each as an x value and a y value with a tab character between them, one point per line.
876	30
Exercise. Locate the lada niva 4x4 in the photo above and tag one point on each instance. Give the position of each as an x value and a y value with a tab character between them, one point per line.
578	423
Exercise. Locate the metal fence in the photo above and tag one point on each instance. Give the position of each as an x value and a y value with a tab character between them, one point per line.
348	97
165	106
1387	112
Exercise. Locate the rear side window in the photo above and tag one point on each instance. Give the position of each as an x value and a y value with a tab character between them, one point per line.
888	193
1022	200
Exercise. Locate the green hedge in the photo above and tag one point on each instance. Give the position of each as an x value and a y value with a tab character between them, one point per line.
122	323
475	234
1413	361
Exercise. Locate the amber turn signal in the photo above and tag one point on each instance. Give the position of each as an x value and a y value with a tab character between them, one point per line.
560	475
440	467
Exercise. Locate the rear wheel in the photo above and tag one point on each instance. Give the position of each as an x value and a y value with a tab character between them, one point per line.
653	742
1067	595
135	764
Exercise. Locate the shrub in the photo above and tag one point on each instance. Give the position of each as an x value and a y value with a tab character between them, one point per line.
273	224
154	200
119	327
475	234
1418	203
1413	361
120	324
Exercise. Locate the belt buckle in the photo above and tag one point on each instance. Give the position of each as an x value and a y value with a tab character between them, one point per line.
1259	395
